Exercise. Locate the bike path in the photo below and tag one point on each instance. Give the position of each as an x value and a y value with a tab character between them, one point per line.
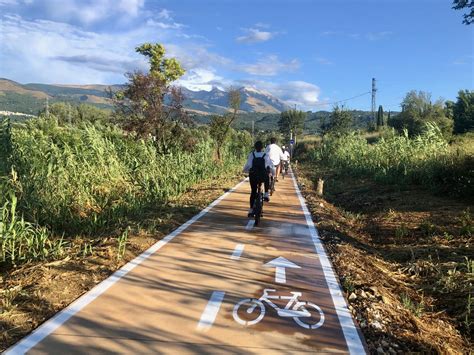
180	296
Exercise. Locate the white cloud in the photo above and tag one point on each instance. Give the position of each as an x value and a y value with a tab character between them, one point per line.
104	64
194	56
269	66
51	51
300	93
201	79
324	61
262	25
254	35
54	52
375	36
87	12
165	14
67	52
131	7
165	25
371	36
8	2
330	33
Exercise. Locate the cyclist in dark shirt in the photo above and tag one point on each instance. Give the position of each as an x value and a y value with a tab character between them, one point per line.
258	166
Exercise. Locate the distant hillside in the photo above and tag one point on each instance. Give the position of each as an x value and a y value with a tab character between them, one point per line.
258	106
216	101
30	98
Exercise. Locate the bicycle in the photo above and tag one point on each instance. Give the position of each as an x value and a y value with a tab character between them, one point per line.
294	309
272	181
258	204
272	185
285	167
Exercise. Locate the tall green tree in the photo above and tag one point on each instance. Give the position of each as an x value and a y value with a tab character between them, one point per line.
463	112
340	122
141	106
417	111
292	121
380	119
220	125
449	109
469	6
165	69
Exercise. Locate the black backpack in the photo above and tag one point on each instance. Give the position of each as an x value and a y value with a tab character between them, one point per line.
258	166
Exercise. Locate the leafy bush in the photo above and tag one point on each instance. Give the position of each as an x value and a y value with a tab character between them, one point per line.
419	112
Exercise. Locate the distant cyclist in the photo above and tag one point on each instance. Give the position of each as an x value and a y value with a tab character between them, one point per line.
276	154
258	166
285	159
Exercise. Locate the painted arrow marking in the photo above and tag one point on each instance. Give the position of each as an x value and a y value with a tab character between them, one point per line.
280	264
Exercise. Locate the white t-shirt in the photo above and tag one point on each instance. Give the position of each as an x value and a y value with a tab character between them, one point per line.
275	153
286	156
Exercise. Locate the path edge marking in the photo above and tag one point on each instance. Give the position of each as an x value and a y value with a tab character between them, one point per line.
50	325
351	334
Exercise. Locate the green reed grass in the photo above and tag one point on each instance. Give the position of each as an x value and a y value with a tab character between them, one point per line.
88	179
22	241
426	160
83	179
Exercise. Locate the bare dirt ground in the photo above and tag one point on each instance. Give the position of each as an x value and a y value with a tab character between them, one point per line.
404	258
34	292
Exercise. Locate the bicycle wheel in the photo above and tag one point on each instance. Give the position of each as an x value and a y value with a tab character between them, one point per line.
272	185
258	208
319	316
252	304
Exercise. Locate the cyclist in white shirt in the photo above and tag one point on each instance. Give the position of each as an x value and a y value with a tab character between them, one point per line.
286	154
285	159
276	154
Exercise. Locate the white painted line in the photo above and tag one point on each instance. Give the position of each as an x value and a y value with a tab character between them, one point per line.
239	248
280	264
280	275
60	318
210	312
250	224
353	340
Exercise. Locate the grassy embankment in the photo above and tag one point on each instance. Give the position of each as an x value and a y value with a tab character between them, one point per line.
397	220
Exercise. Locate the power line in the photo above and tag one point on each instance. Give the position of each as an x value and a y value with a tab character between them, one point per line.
344	100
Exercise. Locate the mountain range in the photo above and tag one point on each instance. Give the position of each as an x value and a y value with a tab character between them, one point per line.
30	98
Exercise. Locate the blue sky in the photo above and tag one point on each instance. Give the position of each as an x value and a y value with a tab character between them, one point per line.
308	53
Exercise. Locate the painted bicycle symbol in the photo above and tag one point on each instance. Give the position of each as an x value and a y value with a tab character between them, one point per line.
255	310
